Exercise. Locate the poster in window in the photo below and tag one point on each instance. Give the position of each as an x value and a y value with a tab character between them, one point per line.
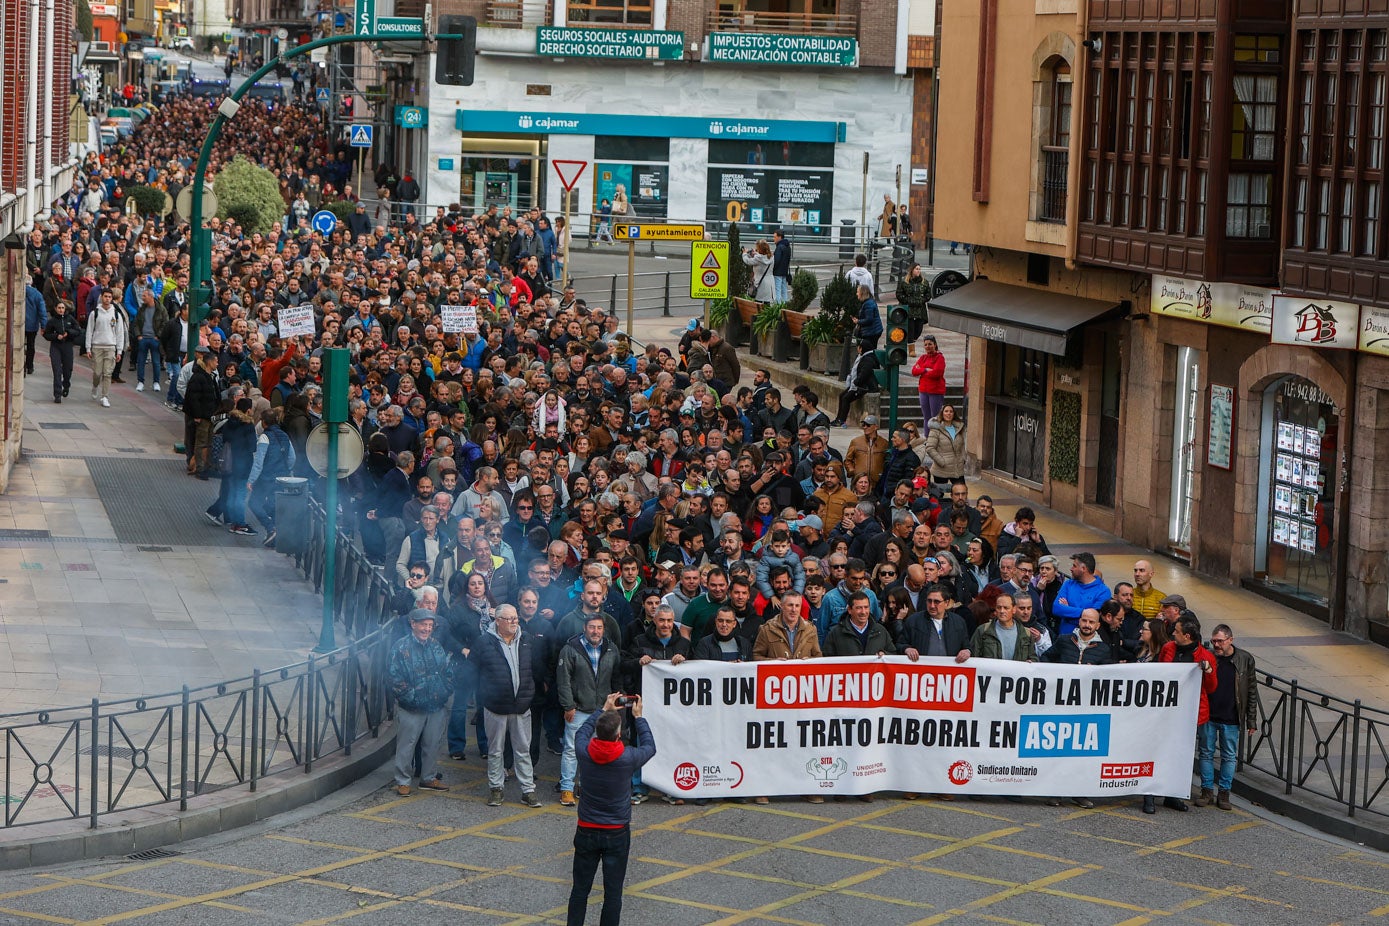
1285	436
1283	468
1299	437
1294	533
1222	430
1309	505
763	200
644	185
1282	499
1311	472
1280	531
1311	443
1307	541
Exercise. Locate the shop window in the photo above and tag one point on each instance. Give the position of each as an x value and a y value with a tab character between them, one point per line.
764	186
1018	401
636	170
610	12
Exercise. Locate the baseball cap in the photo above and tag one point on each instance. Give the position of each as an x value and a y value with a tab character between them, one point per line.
203	349
869	420
812	520
421	614
1175	600
667	564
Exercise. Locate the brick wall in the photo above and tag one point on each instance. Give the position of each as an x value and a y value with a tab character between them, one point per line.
475	8
14	92
40	155
919	202
877	32
690	18
62	79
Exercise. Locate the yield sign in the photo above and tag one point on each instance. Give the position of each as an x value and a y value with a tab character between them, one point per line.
569	172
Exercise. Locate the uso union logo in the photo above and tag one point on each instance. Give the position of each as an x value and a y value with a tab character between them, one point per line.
686	776
960	772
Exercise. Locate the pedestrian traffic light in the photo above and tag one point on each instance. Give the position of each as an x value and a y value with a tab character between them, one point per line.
898	318
454	64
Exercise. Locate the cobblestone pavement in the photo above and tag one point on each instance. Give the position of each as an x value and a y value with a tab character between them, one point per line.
448	858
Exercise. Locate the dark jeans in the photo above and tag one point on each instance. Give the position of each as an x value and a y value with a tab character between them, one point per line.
847	398
465	682
30	343
592	846
60	356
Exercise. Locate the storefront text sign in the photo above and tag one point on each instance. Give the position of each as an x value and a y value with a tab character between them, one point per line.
1315	322
761	48
1374	330
641	45
533	122
1231	305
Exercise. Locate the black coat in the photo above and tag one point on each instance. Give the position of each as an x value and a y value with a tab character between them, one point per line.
841	640
201	398
494	688
63	324
708	648
647	644
901	464
918	629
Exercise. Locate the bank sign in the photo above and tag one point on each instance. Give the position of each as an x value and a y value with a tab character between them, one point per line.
637	45
544	123
757	48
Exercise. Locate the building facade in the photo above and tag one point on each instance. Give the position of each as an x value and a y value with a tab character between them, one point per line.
782	116
36	166
1222	399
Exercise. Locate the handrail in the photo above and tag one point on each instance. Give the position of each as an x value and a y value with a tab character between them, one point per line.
799	23
89	761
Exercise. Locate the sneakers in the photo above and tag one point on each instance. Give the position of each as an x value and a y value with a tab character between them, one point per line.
402	790
1207	797
458	755
639	797
435	784
105	402
530	800
1222	800
494	798
269	540
672	799
58	400
243	530
213	519
760	800
1084	803
566	798
95	395
140	386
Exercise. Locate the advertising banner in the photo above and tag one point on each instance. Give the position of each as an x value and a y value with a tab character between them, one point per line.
767	198
860	725
1232	305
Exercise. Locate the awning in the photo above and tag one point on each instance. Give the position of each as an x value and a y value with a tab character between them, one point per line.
1034	318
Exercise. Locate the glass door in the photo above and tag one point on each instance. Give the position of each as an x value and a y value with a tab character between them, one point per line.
1184	437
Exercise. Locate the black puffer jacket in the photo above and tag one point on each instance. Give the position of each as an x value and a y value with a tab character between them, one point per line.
494	688
201	399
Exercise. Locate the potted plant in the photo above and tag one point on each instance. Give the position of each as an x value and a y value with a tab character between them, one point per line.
764	326
817	335
840	303
804	288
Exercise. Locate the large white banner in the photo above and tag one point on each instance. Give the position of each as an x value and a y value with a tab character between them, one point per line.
859	725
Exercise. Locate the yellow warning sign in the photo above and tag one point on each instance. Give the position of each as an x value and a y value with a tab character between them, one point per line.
709	270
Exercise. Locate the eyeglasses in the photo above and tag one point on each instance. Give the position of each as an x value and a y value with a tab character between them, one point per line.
887	573
525	507
935	601
507	620
1220	639
417	575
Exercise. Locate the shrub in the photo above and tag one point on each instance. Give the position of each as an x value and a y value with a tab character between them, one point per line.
739	273
804	289
249	194
147	199
839	302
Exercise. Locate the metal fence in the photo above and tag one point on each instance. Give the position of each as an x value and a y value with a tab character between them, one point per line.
89	761
1322	744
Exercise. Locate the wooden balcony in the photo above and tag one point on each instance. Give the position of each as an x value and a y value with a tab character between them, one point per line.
519	14
737	20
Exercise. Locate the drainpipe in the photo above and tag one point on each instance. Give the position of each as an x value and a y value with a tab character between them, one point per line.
46	175
1080	80
900	52
31	147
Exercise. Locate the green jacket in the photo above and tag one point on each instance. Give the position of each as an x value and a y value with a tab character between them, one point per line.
985	644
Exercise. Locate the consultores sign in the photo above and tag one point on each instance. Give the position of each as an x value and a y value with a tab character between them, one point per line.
758	48
557	42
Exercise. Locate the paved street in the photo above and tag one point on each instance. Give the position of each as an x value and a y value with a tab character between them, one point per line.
448	858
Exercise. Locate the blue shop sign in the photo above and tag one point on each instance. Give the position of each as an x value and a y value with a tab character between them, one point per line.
546	123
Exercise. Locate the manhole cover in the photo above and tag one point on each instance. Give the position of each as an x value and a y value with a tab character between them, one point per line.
150	855
152	549
63	426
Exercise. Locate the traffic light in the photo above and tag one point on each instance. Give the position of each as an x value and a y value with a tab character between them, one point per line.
898	318
881	371
454	62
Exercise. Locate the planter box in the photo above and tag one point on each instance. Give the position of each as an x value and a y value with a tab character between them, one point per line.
816	356
787	347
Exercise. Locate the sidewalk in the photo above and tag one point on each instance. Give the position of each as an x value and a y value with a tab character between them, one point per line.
112	584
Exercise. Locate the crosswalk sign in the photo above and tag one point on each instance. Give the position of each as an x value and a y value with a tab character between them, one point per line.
322	95
360	135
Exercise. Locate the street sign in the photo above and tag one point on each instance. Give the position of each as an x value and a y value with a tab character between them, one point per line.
400	27
658	232
322	95
282	33
324	222
411	117
709	270
359	135
569	172
183	203
364	20
349	449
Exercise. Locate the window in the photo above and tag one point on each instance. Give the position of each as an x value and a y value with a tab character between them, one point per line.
1055	153
610	12
1369	241
1374	125
1247	206
1343	217
1299	230
1263	49
1255	113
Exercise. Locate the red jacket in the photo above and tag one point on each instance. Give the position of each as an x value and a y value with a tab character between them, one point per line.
931	372
1208	679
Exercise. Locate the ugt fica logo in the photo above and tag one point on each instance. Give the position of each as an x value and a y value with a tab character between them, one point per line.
826	768
1316	324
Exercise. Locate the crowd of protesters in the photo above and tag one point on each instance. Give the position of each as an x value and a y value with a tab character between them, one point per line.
567	504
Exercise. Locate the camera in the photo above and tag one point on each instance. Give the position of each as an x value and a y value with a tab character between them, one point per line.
625	701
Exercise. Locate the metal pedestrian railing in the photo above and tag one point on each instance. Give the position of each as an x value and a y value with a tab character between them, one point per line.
1321	744
87	762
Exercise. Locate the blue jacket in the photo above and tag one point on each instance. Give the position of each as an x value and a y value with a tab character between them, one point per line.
35	310
472	353
607	795
1078	598
869	321
421	675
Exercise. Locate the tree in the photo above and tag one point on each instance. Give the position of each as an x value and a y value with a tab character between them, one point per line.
250	195
84	20
739	274
148	200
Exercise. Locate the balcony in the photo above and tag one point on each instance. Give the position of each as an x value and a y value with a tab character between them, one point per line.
1051	199
738	20
518	14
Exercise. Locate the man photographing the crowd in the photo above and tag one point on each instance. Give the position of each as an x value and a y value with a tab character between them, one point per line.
604	833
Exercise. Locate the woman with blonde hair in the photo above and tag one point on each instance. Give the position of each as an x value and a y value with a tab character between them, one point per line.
759	258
